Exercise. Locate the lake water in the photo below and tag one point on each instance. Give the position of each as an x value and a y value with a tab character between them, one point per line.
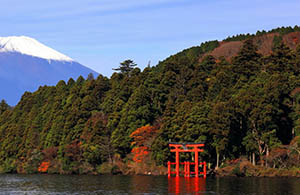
108	184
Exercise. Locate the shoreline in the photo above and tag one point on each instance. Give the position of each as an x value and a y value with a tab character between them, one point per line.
228	171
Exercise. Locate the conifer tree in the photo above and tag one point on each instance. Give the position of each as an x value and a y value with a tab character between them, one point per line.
3	106
126	67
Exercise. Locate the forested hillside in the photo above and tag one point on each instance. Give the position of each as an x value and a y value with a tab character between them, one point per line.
247	105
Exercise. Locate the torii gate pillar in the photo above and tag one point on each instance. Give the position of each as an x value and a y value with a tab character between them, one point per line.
187	147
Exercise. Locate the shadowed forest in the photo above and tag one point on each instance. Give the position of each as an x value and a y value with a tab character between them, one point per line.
240	96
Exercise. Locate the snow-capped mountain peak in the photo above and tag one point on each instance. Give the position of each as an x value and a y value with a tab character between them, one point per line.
29	46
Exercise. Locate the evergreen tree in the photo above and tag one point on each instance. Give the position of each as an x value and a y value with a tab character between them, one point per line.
247	62
3	106
126	67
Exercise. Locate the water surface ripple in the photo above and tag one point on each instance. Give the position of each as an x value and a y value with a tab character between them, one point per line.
108	184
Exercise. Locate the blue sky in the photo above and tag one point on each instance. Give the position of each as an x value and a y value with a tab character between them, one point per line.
101	33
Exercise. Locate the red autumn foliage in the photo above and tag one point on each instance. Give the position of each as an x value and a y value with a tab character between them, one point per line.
295	40
43	168
295	91
291	39
143	138
144	135
140	153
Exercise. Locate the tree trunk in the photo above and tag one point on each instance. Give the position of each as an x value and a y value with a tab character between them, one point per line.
110	158
267	155
261	150
293	132
253	158
218	156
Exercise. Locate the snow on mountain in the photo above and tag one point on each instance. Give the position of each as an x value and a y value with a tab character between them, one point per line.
26	64
29	46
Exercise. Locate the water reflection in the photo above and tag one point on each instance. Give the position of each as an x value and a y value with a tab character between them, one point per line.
189	185
253	185
117	184
141	184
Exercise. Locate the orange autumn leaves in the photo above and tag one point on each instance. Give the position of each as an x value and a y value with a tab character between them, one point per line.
139	153
43	168
142	140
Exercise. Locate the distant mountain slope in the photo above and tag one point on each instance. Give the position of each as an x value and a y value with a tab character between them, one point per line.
265	44
26	64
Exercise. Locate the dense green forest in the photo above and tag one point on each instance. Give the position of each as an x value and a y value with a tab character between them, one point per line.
246	106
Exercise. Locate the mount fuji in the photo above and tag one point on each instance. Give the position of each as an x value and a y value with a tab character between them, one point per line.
26	64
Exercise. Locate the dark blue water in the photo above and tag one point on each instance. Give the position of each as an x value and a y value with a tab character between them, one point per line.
107	184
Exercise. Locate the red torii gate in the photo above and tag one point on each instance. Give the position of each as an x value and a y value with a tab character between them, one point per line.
187	147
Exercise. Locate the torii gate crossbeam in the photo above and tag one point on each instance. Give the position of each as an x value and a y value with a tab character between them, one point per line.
186	147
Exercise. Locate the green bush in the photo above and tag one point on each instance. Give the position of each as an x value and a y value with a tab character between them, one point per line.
9	166
105	168
237	171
